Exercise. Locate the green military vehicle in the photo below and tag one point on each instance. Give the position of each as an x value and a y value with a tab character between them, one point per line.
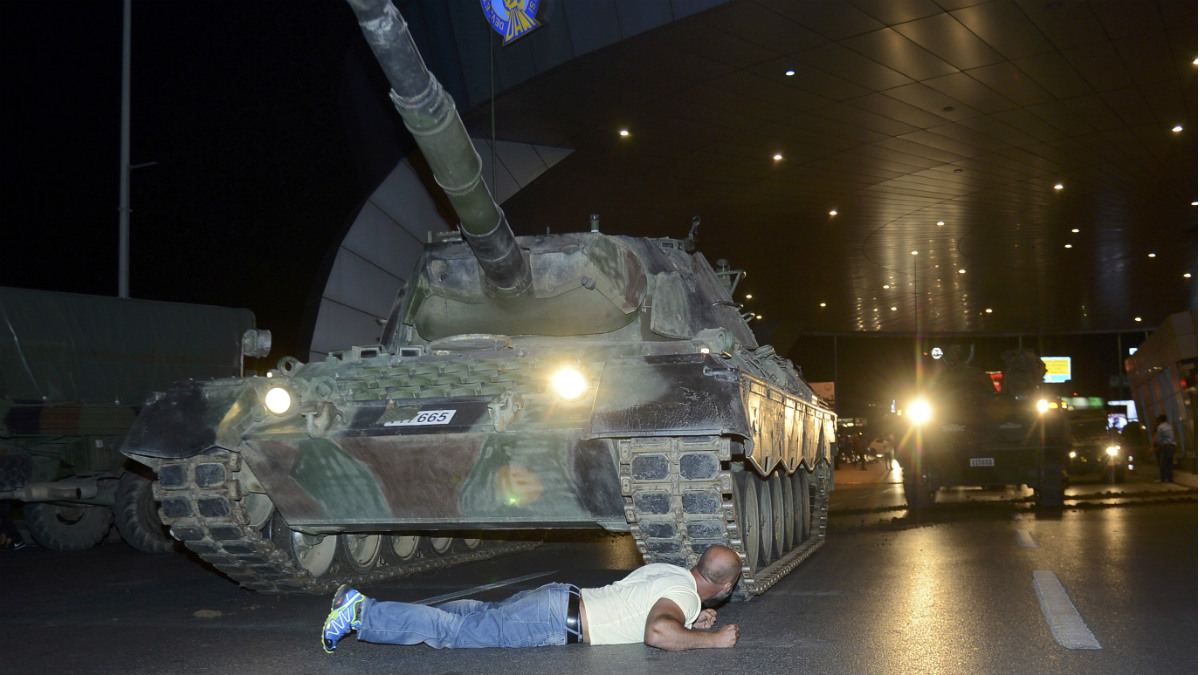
74	371
522	383
962	432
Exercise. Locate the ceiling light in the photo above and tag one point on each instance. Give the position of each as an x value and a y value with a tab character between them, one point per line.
833	212
914	253
1074	230
941	223
1177	128
789	72
893	309
1152	255
886	286
749	296
1058	186
988	310
1186	275
1067	246
777	157
962	271
1138	319
758	316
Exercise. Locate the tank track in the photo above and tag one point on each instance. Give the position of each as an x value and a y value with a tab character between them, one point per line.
678	497
203	503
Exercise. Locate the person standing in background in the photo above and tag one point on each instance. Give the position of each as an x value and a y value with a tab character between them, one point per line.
1164	444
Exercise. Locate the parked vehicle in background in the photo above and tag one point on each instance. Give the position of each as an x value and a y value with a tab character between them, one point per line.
74	372
1096	448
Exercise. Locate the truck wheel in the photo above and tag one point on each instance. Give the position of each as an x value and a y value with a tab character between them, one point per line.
74	527
917	491
136	515
1052	489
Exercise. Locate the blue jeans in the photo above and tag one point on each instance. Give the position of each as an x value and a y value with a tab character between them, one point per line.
533	618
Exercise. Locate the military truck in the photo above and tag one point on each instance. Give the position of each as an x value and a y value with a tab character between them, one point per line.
962	432
521	384
74	371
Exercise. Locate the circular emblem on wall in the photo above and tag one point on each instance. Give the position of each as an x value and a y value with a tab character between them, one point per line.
511	18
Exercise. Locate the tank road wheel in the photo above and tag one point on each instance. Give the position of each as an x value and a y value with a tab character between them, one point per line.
73	527
774	490
766	521
404	547
136	515
466	544
745	497
437	546
362	550
790	512
803	505
314	553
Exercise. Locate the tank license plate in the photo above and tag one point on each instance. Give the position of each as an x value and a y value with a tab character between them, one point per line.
424	418
983	461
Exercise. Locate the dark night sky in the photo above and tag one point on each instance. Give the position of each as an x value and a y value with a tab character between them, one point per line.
254	114
242	106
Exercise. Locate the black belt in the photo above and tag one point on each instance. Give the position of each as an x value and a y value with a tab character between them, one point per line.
574	627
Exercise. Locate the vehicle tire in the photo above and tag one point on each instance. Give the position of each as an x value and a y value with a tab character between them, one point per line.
917	490
136	515
1053	487
74	527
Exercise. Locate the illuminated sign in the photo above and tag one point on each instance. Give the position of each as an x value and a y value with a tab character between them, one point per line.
936	352
1058	368
511	18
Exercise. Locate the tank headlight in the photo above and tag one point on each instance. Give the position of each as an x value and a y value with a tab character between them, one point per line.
278	400
569	383
920	412
1112	450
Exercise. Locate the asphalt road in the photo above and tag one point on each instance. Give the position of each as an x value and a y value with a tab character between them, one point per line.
986	583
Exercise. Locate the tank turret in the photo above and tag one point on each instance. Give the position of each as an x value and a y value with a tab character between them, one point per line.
429	114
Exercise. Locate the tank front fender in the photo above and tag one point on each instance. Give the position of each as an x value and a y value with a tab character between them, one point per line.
673	395
192	417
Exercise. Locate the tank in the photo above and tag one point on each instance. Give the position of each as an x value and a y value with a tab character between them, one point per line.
521	384
963	432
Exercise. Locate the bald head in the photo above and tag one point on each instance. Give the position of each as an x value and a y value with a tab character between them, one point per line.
720	565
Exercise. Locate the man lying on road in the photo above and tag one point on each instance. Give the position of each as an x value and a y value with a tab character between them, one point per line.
658	604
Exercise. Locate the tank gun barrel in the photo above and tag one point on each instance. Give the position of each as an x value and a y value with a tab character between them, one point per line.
430	114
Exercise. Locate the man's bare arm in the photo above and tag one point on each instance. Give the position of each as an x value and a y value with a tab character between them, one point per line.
665	630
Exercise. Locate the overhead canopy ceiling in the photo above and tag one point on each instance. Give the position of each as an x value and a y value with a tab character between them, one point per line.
997	166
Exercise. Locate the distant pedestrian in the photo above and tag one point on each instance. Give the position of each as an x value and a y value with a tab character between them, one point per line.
889	450
1164	445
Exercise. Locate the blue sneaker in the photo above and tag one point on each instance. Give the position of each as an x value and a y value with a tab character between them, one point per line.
345	616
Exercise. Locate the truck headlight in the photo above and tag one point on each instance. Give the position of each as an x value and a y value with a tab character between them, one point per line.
278	400
569	383
1043	405
920	412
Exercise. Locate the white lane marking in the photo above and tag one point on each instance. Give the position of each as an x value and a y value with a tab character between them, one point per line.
1066	624
1026	540
486	587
